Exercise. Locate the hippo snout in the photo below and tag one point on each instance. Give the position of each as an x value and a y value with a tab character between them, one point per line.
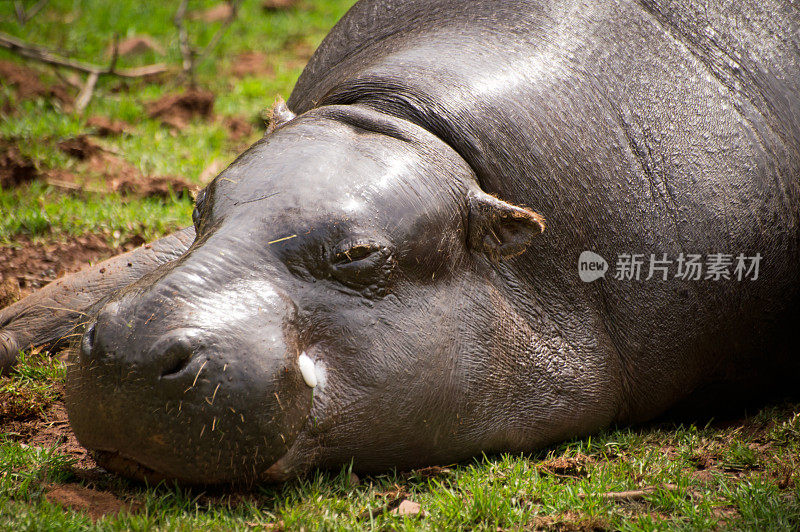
188	391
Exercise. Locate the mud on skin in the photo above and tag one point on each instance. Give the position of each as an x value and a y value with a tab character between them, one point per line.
389	275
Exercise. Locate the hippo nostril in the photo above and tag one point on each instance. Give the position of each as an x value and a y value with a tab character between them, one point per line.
176	368
177	354
178	361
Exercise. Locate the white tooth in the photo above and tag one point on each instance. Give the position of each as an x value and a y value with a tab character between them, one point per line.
307	369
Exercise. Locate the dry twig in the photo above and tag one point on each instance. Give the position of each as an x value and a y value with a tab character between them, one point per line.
43	55
187	52
631	495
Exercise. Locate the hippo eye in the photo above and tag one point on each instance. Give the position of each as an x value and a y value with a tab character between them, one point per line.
364	267
355	253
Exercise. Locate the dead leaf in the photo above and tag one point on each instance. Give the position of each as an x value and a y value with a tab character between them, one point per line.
428	472
630	495
569	521
566	466
271	527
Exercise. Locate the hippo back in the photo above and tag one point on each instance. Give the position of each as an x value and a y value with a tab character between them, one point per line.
651	127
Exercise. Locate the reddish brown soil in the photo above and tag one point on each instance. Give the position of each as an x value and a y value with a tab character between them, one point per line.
177	110
15	168
136	45
217	13
80	147
105	127
276	5
32	265
118	175
251	64
301	49
238	127
97	504
52	430
28	85
48	430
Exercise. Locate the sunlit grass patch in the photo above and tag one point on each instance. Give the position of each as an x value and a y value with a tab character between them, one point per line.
39	210
31	386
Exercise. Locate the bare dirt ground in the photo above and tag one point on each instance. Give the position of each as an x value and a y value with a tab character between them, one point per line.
50	430
32	265
22	270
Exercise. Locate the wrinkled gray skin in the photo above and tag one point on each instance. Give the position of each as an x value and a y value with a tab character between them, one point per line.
393	231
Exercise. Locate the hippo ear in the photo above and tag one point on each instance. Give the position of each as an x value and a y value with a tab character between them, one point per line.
498	228
279	115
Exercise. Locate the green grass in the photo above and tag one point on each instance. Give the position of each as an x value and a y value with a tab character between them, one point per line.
741	477
34	386
39	209
83	30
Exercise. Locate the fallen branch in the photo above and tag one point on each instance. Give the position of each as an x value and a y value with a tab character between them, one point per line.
86	93
631	495
70	186
43	55
72	80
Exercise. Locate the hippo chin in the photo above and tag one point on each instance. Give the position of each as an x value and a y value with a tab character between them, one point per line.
432	253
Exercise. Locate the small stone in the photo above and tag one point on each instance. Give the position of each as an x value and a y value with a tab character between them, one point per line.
409	508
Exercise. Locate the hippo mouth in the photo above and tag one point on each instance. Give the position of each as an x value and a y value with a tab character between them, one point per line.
118	462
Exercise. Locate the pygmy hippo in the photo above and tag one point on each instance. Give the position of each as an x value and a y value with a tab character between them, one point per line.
477	226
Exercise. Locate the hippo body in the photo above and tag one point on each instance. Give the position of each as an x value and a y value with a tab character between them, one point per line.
407	238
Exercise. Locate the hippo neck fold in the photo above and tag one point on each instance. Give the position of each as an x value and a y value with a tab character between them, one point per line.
401	126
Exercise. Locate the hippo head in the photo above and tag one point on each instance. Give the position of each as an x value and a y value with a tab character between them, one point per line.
319	316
